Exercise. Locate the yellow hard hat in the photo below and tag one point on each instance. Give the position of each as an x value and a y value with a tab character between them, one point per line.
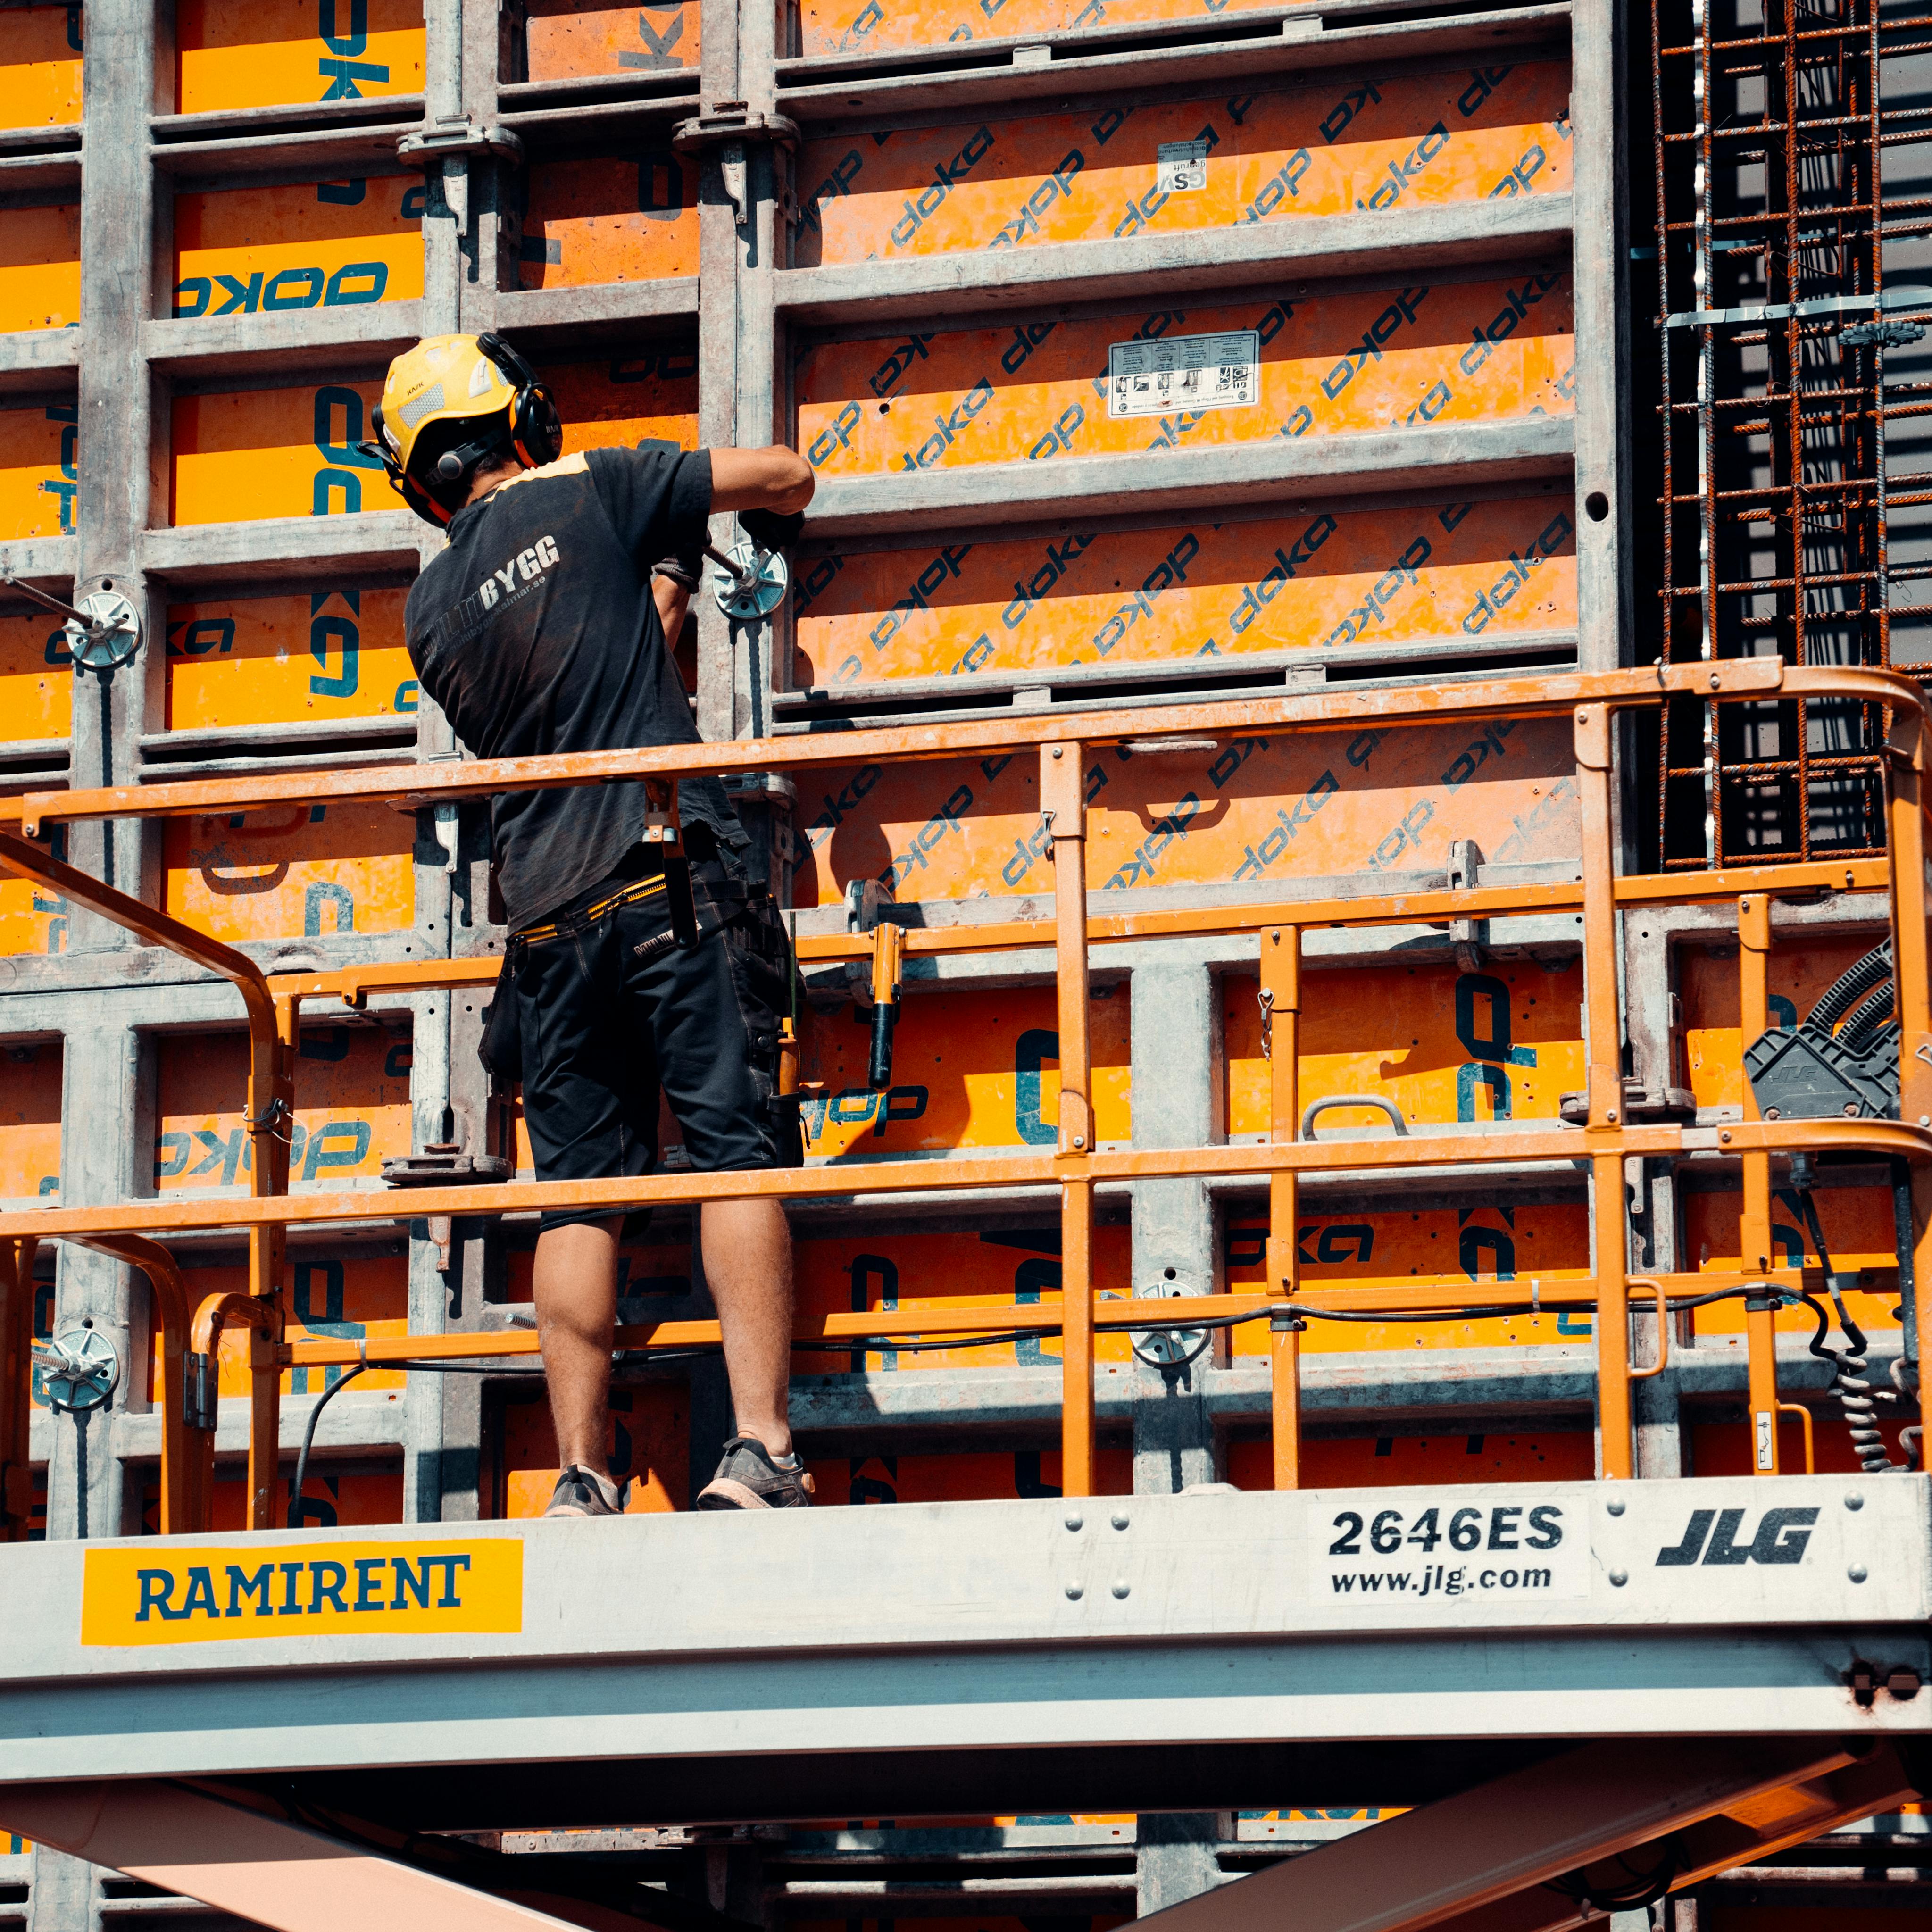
458	379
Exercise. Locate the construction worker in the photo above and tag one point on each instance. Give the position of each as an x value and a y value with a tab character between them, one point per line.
542	628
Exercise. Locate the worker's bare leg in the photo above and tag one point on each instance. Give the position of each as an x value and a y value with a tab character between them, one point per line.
576	1285
748	1262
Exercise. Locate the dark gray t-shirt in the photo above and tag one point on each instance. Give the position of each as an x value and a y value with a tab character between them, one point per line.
535	632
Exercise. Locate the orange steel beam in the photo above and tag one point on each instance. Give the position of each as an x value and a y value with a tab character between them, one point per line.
1881	1139
355	985
1280	996
967	1320
1754	1213
1062	804
1754	678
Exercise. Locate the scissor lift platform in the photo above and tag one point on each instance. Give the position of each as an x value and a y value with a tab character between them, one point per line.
267	1722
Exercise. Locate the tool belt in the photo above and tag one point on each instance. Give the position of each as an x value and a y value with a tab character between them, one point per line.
771	991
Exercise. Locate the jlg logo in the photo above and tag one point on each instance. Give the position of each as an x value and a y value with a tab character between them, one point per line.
1782	1537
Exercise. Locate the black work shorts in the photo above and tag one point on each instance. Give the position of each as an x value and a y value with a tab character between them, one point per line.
612	1012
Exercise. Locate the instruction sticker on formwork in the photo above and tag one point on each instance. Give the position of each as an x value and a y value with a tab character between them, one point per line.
1524	1553
1180	167
1184	372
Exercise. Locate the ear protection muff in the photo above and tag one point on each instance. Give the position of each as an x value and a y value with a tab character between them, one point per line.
536	430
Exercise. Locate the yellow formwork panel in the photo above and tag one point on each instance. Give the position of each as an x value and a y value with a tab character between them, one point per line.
1486	1244
1708	986
1858	1229
30	1120
1336	579
1390	1462
36	680
40	470
1315	805
297	872
331	1498
33	919
1374	359
1728	1449
39	67
231	54
337	653
40	264
346	1296
239	456
892	1270
652	392
311	245
970	1070
874	26
1444	1046
628	218
351	1108
564	39
648	1443
1324	148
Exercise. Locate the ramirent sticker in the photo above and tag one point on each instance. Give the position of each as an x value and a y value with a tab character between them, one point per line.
1528	1552
210	1595
1183	372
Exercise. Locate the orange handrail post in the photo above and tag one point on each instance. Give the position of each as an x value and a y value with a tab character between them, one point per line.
1063	803
1281	1044
1754	1212
270	1116
1604	1086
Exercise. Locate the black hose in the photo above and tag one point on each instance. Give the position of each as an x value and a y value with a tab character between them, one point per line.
328	1395
1851	986
1867	1016
1856	1397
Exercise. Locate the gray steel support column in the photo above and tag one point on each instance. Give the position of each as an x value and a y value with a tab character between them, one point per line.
1604	509
1176	1073
721	245
1648	1004
122	70
1176	1857
101	1145
65	1895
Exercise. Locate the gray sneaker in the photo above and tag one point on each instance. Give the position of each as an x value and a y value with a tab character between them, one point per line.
750	1477
582	1492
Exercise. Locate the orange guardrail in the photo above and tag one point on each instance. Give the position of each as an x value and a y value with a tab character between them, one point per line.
1076	1166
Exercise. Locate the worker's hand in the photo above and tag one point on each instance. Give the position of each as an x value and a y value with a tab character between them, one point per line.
770	530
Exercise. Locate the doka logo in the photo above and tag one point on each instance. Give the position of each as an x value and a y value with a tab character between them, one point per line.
198	1593
1782	1539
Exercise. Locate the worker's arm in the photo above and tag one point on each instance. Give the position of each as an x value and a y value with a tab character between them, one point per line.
672	600
777	478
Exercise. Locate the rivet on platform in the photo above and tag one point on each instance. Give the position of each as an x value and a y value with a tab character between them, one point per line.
1120	1519
1619	1578
1121	1586
1858	1573
1073	1592
1615	1505
1074	1520
1853	1500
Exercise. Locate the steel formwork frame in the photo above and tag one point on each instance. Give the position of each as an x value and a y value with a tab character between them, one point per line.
745	308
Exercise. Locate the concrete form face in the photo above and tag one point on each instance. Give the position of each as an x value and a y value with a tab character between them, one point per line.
1144	349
